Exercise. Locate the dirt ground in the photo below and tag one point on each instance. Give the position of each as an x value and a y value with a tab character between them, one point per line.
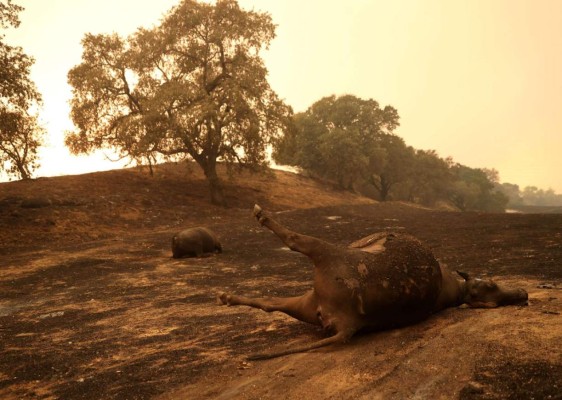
92	306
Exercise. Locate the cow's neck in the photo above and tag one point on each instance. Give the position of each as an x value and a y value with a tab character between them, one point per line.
453	291
461	294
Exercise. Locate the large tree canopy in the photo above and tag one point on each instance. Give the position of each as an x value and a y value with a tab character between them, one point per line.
20	134
195	86
339	138
352	142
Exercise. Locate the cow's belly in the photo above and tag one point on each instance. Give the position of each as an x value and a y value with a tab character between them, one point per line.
392	288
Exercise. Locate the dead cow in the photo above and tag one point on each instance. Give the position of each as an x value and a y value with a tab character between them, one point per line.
195	242
382	281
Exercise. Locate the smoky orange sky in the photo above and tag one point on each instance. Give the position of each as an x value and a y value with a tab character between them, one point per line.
477	80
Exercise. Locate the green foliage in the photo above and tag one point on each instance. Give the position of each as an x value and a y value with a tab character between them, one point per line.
20	138
512	192
428	181
351	142
343	157
474	189
20	133
397	165
192	87
338	138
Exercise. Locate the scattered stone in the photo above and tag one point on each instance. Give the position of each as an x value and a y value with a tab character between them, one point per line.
52	315
473	388
547	286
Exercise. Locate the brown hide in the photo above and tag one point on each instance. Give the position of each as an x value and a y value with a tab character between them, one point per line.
194	242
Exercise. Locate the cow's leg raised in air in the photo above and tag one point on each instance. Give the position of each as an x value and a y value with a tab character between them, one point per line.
304	244
303	308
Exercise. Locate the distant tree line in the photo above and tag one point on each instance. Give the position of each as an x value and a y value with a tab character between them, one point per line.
529	196
352	143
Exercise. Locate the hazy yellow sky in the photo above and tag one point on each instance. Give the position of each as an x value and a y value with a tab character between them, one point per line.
478	80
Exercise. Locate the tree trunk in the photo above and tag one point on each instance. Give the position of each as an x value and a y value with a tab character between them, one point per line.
215	184
24	174
217	194
150	166
384	193
384	188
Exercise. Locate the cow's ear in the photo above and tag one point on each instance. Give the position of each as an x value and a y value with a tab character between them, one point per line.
464	275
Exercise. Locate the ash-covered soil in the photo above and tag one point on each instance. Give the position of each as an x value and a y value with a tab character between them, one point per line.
96	308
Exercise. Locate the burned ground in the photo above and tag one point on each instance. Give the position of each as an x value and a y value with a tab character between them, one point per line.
93	306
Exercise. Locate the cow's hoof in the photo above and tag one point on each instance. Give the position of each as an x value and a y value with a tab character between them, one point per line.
223	299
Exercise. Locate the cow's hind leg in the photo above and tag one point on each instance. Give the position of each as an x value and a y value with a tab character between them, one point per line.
307	245
303	308
339	337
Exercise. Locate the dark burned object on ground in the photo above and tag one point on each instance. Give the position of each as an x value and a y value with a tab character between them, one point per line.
382	281
195	242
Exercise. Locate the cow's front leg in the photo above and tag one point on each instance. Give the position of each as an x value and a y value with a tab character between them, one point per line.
303	308
304	244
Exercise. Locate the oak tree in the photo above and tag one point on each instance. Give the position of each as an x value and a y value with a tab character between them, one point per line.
475	189
397	165
431	178
338	138
195	87
20	133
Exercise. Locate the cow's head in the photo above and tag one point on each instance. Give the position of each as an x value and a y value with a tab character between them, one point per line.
485	293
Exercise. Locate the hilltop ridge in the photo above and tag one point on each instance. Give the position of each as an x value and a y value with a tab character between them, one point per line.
104	204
